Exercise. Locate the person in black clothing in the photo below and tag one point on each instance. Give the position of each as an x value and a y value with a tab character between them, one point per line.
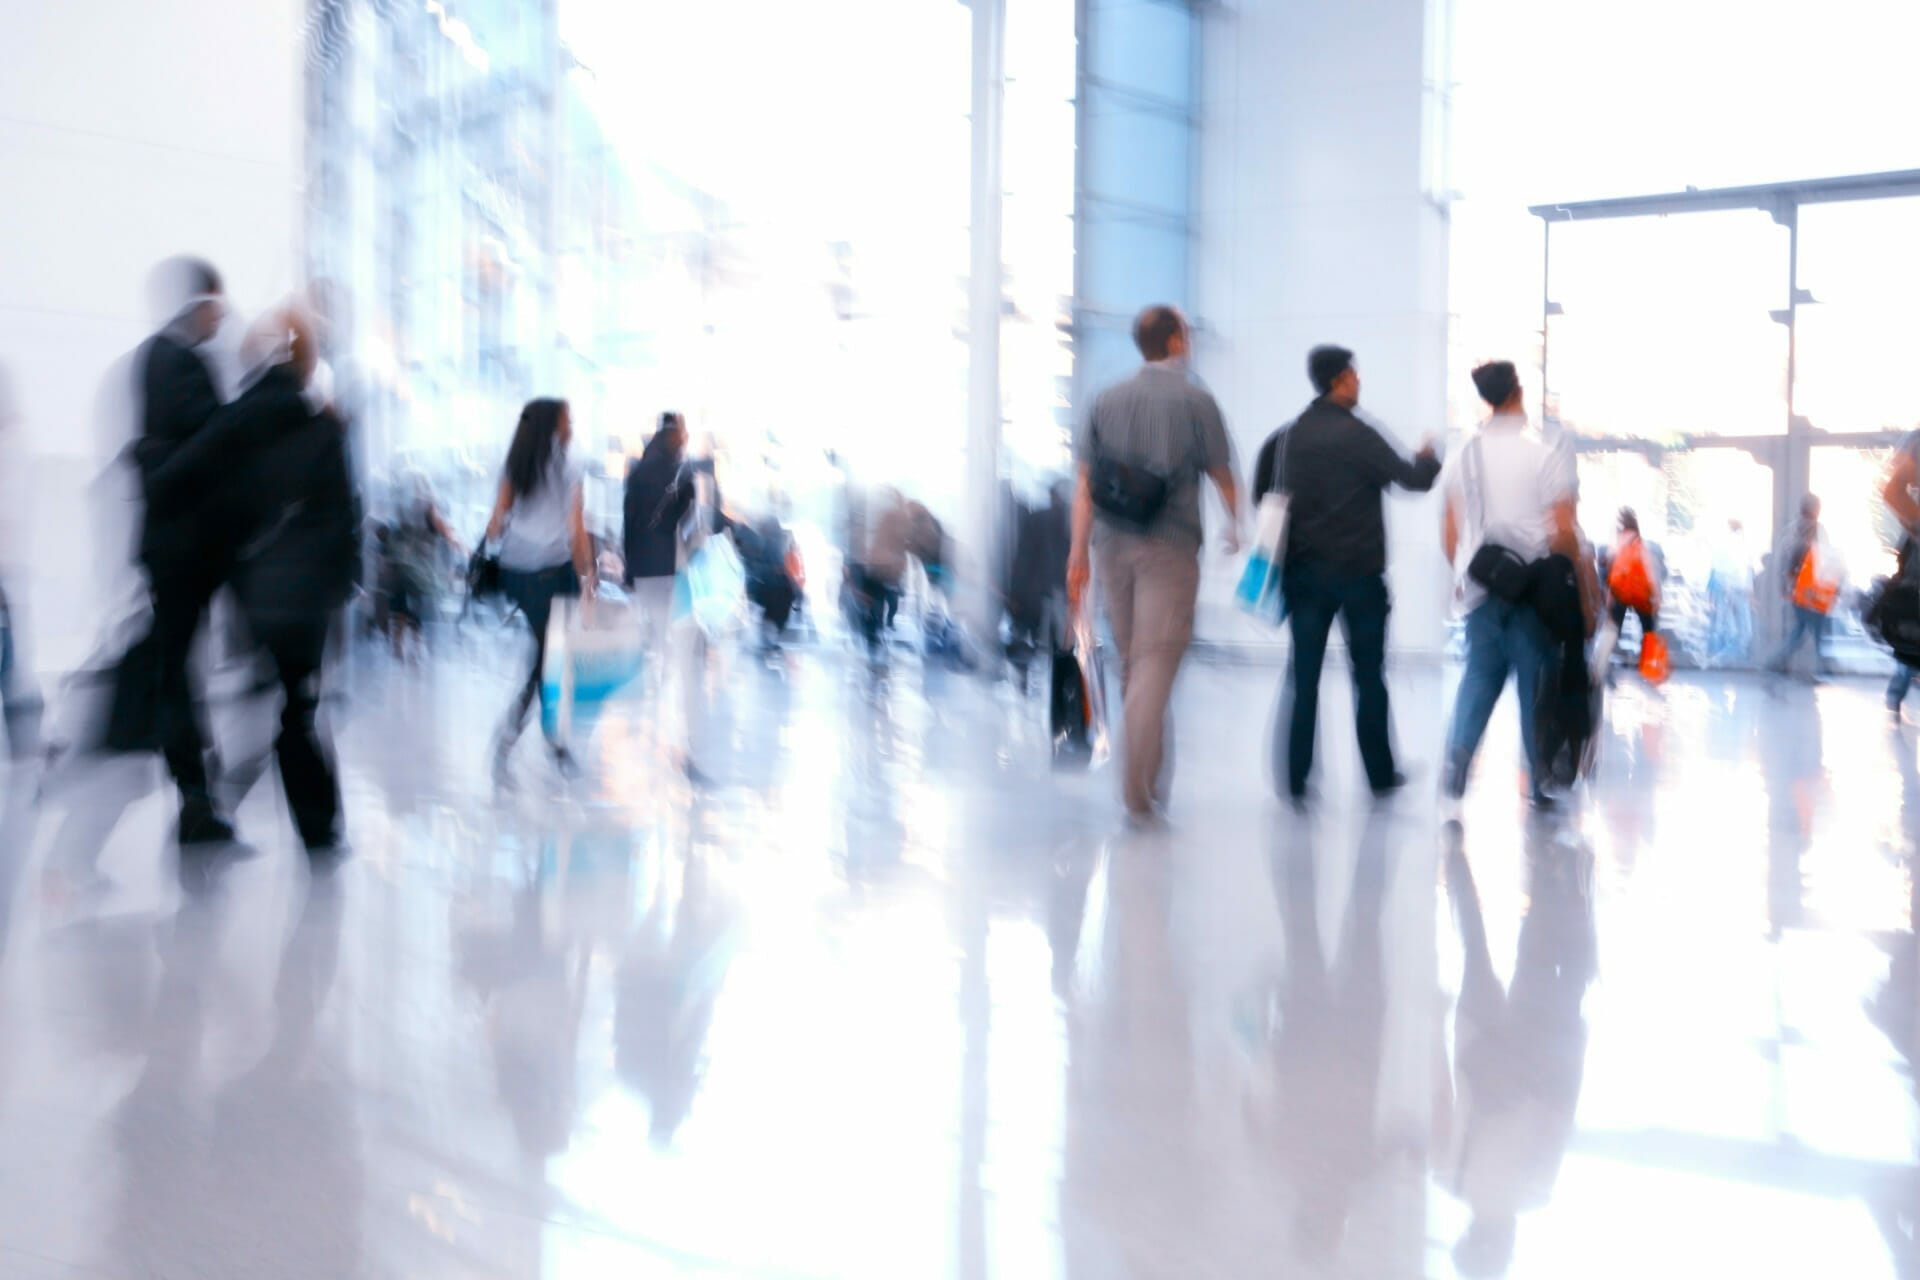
300	561
1334	466
765	548
189	534
659	492
1036	608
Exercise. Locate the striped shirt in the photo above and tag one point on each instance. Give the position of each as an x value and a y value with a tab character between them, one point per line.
1161	420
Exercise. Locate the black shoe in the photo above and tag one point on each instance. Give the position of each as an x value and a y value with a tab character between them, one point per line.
1543	801
563	761
201	825
1392	785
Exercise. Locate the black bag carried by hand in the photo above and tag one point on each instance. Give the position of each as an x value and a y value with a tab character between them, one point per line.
483	574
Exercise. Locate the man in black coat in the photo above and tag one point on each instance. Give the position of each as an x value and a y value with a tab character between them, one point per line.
1334	466
190	531
286	465
658	494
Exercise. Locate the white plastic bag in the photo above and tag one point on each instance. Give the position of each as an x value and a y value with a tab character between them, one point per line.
594	650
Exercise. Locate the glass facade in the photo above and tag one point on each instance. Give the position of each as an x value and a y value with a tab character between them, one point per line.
1138	122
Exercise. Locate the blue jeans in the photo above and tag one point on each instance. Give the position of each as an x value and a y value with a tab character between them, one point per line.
1502	638
1806	622
1898	686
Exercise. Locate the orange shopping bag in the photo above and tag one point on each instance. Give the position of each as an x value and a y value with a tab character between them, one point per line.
1654	661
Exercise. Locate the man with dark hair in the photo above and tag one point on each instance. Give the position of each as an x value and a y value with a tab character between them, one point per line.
1335	466
1150	439
1156	329
1508	488
192	528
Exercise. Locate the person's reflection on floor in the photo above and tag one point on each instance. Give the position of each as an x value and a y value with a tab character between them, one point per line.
19	818
1895	1009
1519	1050
159	1131
285	1143
1327	1052
533	993
1132	1154
667	988
1071	877
1793	763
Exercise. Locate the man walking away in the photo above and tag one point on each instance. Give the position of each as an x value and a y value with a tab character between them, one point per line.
1139	458
1902	482
1508	488
1335	466
191	529
658	494
1808	580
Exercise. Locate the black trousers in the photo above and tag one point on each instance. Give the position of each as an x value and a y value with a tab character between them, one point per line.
1315	596
533	592
297	648
181	592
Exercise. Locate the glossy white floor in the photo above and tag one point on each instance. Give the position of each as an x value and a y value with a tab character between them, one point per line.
890	999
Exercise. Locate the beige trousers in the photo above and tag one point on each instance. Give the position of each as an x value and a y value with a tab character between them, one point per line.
1149	586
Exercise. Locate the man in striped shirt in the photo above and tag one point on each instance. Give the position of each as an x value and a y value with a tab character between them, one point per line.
1166	432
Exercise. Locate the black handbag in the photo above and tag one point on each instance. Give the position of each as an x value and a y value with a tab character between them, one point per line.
1501	570
483	574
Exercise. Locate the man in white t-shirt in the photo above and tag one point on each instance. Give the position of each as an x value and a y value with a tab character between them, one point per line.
1511	488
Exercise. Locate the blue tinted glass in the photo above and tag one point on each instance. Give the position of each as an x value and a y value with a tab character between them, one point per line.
1142	44
1126	264
1103	356
1140	157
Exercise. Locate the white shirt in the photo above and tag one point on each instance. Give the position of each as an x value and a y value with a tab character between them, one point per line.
1503	487
539	532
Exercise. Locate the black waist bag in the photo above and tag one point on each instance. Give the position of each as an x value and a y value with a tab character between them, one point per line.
1501	571
1128	493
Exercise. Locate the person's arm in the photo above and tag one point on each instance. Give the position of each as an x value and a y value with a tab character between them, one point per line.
1898	493
1450	528
1263	477
180	412
445	530
1218	459
1387	466
579	539
1080	558
501	506
1230	499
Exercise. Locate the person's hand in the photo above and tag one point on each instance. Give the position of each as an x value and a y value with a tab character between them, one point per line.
1232	542
1429	448
1079	573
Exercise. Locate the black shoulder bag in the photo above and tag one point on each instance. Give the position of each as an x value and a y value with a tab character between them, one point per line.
1499	569
1127	492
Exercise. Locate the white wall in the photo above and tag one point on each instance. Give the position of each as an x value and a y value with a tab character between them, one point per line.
1315	225
129	131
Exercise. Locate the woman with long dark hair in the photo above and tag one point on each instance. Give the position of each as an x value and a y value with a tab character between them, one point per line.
540	527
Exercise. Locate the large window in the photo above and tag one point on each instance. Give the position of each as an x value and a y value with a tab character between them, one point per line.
1137	123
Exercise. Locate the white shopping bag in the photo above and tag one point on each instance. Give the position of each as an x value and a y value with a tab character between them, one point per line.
594	649
1259	589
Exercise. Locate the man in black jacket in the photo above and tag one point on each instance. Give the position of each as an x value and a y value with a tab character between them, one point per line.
190	531
1334	467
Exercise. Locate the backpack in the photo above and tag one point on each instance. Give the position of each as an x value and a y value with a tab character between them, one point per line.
1891	613
1631	577
1813	587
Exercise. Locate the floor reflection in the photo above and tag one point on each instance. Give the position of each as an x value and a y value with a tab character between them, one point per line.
880	994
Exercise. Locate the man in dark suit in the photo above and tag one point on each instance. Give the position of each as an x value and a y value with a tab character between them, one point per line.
190	533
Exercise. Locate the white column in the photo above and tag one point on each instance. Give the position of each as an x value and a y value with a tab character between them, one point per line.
980	528
1321	219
